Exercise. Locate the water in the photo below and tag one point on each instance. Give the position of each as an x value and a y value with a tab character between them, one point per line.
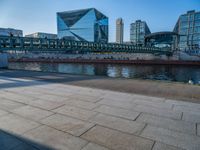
152	72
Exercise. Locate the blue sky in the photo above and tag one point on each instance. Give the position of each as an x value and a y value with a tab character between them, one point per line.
40	15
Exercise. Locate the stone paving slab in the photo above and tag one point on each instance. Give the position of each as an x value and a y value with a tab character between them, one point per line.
8	105
186	109
2	112
18	97
118	103
161	146
170	137
15	124
123	125
82	104
172	124
32	113
85	98
116	140
60	116
45	104
198	129
191	117
53	98
73	126
93	146
118	112
154	104
75	112
55	139
158	111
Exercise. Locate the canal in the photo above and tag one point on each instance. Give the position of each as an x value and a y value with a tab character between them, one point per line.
153	72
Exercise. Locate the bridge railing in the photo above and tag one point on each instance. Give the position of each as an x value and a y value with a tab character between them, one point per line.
43	45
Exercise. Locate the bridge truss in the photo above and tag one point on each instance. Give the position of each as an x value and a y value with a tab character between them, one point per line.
43	45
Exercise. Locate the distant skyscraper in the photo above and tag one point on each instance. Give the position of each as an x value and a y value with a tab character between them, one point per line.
188	28
138	31
119	30
84	25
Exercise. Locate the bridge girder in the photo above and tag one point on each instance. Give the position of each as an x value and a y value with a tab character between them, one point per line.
60	45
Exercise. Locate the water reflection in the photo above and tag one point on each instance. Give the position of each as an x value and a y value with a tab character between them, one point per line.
156	72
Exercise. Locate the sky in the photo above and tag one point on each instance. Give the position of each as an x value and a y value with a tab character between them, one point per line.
40	15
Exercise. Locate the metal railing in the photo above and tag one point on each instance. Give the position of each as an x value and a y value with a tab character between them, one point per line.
25	44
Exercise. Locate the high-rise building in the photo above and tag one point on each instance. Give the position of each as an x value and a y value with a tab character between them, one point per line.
84	25
10	32
119	30
138	31
188	28
42	35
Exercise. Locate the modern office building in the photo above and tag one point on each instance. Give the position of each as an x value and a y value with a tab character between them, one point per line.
119	30
10	32
138	31
162	40
188	28
83	25
42	35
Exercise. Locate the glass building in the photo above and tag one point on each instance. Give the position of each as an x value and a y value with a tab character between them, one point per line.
119	30
188	28
138	31
162	40
83	25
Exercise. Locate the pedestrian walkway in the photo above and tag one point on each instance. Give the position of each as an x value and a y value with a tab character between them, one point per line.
45	115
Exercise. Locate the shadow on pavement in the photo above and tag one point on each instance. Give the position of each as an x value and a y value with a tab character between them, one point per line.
10	141
40	78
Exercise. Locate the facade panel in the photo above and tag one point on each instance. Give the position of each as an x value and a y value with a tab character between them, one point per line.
119	30
138	31
188	28
83	25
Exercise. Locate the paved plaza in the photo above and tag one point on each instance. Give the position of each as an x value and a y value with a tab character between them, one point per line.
41	115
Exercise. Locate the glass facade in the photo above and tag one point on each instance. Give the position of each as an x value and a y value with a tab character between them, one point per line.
138	31
188	28
83	25
162	40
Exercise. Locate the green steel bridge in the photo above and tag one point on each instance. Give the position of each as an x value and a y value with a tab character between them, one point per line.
43	45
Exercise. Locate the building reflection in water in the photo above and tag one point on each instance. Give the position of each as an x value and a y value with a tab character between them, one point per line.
152	72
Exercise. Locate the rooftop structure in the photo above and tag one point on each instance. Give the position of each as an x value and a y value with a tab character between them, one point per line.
42	35
84	25
10	32
119	30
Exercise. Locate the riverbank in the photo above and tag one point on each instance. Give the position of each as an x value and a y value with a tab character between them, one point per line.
45	112
109	61
167	90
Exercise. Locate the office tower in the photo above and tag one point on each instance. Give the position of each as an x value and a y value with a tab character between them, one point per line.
119	30
84	25
188	28
138	31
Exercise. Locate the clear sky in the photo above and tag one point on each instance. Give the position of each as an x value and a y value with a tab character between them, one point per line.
40	15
